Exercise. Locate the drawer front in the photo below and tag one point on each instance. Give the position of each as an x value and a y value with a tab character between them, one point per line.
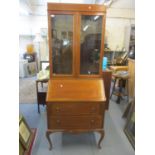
68	122
73	108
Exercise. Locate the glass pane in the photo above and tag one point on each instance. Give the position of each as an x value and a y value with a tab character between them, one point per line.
62	43
91	29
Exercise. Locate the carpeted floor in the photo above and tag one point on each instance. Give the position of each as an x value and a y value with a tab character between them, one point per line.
27	90
115	142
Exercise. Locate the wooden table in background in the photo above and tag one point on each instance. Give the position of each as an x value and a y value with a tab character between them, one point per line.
107	76
41	93
131	66
119	68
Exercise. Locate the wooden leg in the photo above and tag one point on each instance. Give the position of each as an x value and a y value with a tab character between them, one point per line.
120	91
101	138
48	138
126	112
38	109
113	89
127	88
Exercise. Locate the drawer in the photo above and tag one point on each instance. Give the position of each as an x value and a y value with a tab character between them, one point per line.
68	122
73	108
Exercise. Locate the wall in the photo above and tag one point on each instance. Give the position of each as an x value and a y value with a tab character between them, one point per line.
119	16
23	42
29	27
115	32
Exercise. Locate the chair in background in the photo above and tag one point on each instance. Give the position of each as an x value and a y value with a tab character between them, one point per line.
120	75
41	87
121	60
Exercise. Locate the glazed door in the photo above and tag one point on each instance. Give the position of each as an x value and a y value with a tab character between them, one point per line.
61	31
76	44
91	44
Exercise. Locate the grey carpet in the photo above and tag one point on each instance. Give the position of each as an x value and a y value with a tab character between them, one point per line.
68	144
27	90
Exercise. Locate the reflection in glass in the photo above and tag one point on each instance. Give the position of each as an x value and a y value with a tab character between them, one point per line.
62	41
91	29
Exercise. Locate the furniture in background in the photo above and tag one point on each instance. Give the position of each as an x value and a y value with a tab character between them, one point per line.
31	69
120	75
118	68
129	112
27	69
131	81
31	57
41	92
117	58
22	68
76	100
42	84
41	88
44	65
121	60
28	65
107	76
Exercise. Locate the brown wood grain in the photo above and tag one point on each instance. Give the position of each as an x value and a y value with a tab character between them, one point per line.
76	7
76	90
76	103
73	108
107	76
131	80
75	122
119	68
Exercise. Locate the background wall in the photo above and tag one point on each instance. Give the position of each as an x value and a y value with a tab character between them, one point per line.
24	40
120	15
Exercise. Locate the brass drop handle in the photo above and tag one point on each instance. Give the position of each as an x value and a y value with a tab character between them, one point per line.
57	109
58	121
93	109
92	121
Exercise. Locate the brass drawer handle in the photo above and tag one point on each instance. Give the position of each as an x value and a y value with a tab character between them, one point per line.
89	7
58	121
92	121
57	109
93	109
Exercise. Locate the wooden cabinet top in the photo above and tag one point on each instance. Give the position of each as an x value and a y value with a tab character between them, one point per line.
76	7
69	90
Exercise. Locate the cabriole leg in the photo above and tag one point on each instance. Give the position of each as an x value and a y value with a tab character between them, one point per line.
48	138
101	138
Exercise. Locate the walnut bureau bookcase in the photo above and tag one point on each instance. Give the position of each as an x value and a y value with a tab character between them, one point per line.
76	96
